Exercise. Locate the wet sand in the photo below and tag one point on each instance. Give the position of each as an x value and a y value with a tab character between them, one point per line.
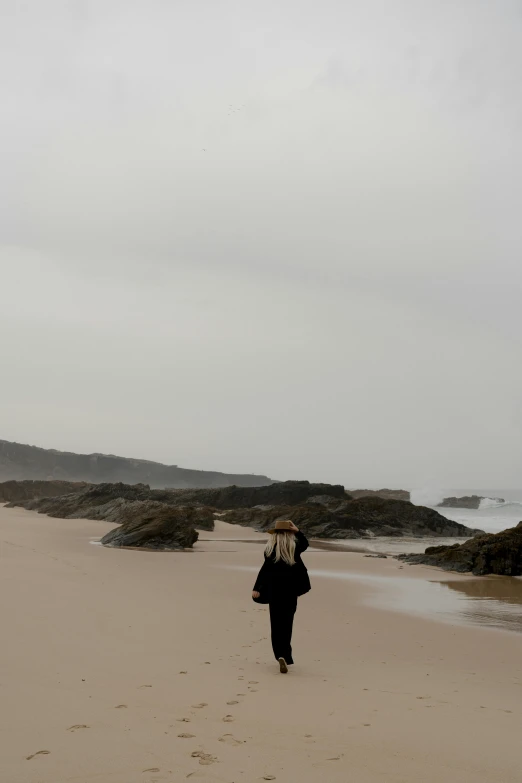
492	602
125	666
397	545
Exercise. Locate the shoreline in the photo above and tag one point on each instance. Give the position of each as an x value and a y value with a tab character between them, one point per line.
491	615
109	656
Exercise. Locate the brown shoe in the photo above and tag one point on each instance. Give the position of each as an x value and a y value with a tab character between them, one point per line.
283	668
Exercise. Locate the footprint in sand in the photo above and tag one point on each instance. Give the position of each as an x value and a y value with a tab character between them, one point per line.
38	753
78	726
200	706
230	740
230	703
186	736
228	719
152	769
144	686
204	758
120	707
269	777
183	720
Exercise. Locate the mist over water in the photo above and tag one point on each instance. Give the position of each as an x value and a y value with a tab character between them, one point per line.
427	496
491	520
492	516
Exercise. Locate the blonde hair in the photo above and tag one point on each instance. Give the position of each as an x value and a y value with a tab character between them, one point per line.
283	544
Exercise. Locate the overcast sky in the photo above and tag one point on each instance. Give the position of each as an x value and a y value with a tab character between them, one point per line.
275	236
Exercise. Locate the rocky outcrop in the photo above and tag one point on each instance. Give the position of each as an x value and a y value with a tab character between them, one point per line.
323	517
152	525
467	501
19	462
321	510
137	506
27	490
80	504
495	553
84	504
282	493
385	494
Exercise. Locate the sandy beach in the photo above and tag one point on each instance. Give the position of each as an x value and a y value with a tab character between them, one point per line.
142	667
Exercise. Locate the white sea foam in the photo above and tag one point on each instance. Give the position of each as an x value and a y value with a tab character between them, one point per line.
486	503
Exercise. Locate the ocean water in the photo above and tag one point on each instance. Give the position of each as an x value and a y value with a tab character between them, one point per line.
492	517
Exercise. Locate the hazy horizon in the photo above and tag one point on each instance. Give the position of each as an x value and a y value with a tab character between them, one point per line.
276	238
425	495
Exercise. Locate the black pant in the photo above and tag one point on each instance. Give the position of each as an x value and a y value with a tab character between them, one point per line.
282	610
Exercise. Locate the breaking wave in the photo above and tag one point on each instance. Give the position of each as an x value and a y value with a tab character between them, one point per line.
487	503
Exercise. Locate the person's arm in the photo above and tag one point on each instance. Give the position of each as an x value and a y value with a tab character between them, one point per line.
301	541
259	581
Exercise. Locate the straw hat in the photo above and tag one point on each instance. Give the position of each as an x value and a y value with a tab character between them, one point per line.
283	525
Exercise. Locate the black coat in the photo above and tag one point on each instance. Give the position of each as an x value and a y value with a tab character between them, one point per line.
275	579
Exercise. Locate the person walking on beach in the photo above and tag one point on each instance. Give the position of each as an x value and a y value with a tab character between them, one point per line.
282	579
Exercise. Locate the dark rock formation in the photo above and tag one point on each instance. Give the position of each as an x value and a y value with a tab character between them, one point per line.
85	503
321	510
124	505
152	525
26	490
385	494
367	517
468	501
18	462
79	504
495	553
285	492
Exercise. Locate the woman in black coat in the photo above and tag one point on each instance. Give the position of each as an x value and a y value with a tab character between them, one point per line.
281	580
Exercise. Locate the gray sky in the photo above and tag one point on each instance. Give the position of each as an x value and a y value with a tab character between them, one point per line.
279	236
